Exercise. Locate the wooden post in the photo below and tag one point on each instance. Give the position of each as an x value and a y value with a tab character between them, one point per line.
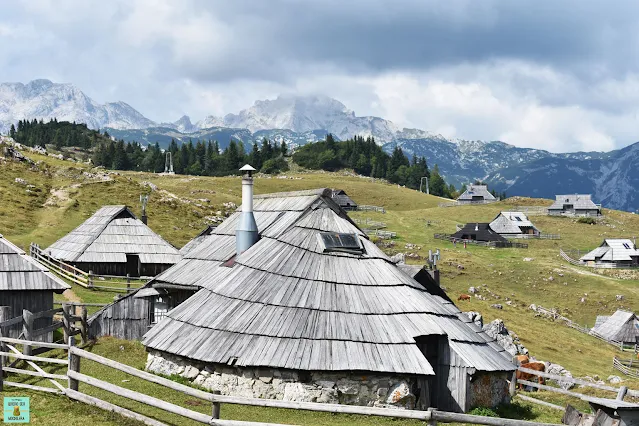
622	393
84	330
4	316
90	279
128	283
74	364
216	406
27	329
66	320
432	421
512	389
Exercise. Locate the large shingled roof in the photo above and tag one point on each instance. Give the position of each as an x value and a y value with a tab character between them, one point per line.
108	235
578	201
476	191
622	326
20	272
613	250
289	303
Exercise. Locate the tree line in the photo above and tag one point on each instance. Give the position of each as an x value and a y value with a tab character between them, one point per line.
361	154
367	158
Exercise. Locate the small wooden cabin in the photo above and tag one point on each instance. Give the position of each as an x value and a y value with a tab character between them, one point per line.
513	224
478	232
314	311
620	327
25	284
115	242
343	200
476	194
614	252
574	205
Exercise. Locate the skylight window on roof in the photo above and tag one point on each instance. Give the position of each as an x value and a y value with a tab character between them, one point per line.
626	245
334	241
518	218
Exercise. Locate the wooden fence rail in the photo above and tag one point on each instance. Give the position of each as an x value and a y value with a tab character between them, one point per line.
496	244
74	377
626	367
86	279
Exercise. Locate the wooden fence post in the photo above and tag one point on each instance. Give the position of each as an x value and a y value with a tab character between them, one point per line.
27	329
216	406
512	389
74	364
90	279
4	316
84	327
66	320
433	420
128	283
622	393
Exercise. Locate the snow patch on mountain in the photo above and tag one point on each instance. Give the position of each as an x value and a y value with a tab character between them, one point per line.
43	99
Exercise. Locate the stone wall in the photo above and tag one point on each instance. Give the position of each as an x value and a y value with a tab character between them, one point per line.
288	385
489	389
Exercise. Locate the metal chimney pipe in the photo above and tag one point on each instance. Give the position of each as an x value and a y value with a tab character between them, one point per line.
246	233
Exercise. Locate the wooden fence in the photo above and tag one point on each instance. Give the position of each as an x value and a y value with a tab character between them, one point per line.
67	318
365	208
536	237
467	203
496	244
626	366
86	279
531	210
370	224
74	377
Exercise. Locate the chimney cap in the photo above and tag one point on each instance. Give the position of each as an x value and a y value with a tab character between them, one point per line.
247	168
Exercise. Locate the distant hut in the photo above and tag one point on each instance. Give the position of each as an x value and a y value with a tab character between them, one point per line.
478	232
613	252
574	205
343	200
26	284
310	310
513	224
620	327
114	242
476	194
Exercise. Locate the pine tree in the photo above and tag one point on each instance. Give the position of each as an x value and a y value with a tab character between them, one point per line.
12	132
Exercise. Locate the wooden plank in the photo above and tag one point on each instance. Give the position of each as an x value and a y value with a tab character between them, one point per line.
41	344
551	389
47	329
99	305
35	373
48	313
446	417
78	396
540	402
139	397
32	387
576	381
12	321
34	358
37	368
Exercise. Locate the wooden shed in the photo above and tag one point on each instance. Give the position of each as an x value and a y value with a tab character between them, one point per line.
513	224
343	200
476	194
620	327
25	284
115	242
314	311
478	232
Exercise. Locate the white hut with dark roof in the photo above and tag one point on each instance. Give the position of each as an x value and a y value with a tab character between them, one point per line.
115	242
476	194
314	311
26	284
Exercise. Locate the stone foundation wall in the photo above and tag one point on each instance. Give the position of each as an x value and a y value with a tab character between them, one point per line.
288	385
489	389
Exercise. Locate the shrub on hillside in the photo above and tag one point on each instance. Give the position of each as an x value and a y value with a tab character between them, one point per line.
483	411
587	220
274	166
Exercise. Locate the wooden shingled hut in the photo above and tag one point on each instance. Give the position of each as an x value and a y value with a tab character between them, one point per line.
343	200
26	284
115	242
622	327
476	194
314	311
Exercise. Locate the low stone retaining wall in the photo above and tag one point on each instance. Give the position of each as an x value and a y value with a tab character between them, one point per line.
288	385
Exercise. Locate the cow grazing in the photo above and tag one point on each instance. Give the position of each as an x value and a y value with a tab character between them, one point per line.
464	297
522	359
537	366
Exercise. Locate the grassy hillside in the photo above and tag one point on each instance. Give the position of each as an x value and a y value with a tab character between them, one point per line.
67	193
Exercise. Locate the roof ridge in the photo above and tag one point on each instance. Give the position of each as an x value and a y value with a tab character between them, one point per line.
303	193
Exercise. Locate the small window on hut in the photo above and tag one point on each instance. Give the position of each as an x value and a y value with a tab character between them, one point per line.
348	243
161	306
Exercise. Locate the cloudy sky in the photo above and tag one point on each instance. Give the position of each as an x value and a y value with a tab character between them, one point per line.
559	75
